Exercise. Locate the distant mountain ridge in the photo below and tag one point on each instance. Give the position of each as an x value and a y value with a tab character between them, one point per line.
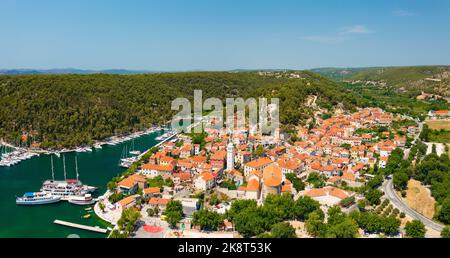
70	71
113	71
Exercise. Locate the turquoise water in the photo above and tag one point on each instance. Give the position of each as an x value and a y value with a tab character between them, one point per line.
95	168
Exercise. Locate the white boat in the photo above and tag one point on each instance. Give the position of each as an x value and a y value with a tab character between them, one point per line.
81	200
38	198
135	152
80	149
66	188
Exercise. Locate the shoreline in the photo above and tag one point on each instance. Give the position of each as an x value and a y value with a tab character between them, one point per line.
20	154
112	139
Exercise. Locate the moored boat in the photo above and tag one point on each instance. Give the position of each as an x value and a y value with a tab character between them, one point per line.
66	188
82	200
37	198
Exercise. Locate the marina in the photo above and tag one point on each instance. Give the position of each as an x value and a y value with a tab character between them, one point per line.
12	155
96	169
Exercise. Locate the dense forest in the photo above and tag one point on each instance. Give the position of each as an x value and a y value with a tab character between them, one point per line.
69	110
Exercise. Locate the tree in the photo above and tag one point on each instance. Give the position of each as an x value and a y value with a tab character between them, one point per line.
128	219
150	212
445	233
213	199
362	204
111	185
335	215
283	230
116	234
373	196
238	206
314	224
115	197
264	235
400	180
304	206
375	182
173	212
259	152
444	212
345	229
102	207
316	180
298	184
415	229
249	222
280	206
390	226
207	220
157	181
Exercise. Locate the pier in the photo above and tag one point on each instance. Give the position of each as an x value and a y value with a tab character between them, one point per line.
79	226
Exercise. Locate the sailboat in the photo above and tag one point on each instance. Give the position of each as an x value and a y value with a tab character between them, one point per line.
85	199
133	151
65	188
125	161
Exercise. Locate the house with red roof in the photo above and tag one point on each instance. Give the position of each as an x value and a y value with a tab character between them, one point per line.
153	170
256	165
131	184
328	196
218	160
205	181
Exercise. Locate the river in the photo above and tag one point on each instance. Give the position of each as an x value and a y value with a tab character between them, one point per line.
95	168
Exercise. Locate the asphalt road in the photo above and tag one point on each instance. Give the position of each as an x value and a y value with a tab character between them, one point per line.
388	188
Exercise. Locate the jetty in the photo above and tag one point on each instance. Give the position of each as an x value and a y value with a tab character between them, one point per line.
79	226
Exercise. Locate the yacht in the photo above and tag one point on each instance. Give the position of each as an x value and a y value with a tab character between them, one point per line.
82	200
37	199
68	187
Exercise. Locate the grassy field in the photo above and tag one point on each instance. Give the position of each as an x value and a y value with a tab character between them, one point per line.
419	198
438	124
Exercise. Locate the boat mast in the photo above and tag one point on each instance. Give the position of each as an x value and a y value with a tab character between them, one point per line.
64	163
76	166
53	172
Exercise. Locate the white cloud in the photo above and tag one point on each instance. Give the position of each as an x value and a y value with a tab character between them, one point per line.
355	29
403	13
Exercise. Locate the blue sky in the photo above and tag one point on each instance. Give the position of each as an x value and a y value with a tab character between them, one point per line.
222	34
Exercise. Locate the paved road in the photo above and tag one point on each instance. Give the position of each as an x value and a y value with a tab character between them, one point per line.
388	188
406	152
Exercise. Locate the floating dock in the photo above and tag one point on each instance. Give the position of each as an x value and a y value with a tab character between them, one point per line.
74	225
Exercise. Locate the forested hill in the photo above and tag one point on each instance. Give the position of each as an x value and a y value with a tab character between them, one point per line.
70	110
409	79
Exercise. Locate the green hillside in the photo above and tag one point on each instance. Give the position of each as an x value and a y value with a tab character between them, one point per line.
412	79
69	110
